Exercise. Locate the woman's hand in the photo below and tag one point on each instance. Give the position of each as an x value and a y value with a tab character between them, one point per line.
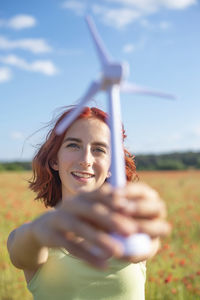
82	224
149	213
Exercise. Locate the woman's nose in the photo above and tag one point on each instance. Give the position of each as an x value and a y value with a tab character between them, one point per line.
85	164
86	159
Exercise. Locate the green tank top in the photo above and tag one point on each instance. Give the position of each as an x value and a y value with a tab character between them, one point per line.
65	277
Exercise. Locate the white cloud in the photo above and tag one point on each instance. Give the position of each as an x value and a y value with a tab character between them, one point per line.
133	10
17	135
5	74
32	45
19	22
78	7
154	5
116	17
128	48
178	4
120	13
42	66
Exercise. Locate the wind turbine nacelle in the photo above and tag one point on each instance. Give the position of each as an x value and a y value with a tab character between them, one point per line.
115	72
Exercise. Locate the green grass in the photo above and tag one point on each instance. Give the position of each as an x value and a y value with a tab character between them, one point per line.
174	273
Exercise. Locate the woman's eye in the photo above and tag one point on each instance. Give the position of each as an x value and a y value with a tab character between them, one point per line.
73	145
100	150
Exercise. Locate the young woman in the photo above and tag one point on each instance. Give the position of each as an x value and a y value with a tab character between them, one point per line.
68	252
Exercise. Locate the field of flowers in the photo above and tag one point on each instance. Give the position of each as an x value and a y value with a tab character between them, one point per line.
174	273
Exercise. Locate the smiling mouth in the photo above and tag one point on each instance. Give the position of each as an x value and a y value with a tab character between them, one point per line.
82	175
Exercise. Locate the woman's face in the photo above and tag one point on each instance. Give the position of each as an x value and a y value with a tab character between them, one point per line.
83	159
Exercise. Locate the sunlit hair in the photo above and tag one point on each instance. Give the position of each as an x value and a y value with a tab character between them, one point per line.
45	181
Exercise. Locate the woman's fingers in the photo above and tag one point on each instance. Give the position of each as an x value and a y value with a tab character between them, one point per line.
140	191
101	216
141	201
146	209
73	227
107	195
58	229
93	255
136	199
154	228
135	204
91	216
129	201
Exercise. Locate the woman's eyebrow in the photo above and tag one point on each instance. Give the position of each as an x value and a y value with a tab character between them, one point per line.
101	144
71	139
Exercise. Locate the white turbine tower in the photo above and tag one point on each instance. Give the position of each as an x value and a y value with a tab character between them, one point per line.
112	81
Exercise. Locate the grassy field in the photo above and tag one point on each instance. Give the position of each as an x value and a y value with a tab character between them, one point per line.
174	273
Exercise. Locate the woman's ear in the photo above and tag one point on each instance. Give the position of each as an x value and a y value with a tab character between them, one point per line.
54	165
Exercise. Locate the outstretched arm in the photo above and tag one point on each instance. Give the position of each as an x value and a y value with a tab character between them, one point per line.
24	250
80	224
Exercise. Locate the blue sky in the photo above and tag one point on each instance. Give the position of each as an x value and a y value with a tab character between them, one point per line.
47	61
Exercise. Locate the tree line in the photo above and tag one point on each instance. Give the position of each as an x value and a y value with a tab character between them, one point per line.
170	161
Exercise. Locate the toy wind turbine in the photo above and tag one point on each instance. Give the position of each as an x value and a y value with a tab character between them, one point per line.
112	82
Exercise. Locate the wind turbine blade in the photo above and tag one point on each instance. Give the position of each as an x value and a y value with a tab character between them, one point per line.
135	89
101	49
66	122
118	178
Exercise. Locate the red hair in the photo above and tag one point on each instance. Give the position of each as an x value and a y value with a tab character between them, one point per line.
45	181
